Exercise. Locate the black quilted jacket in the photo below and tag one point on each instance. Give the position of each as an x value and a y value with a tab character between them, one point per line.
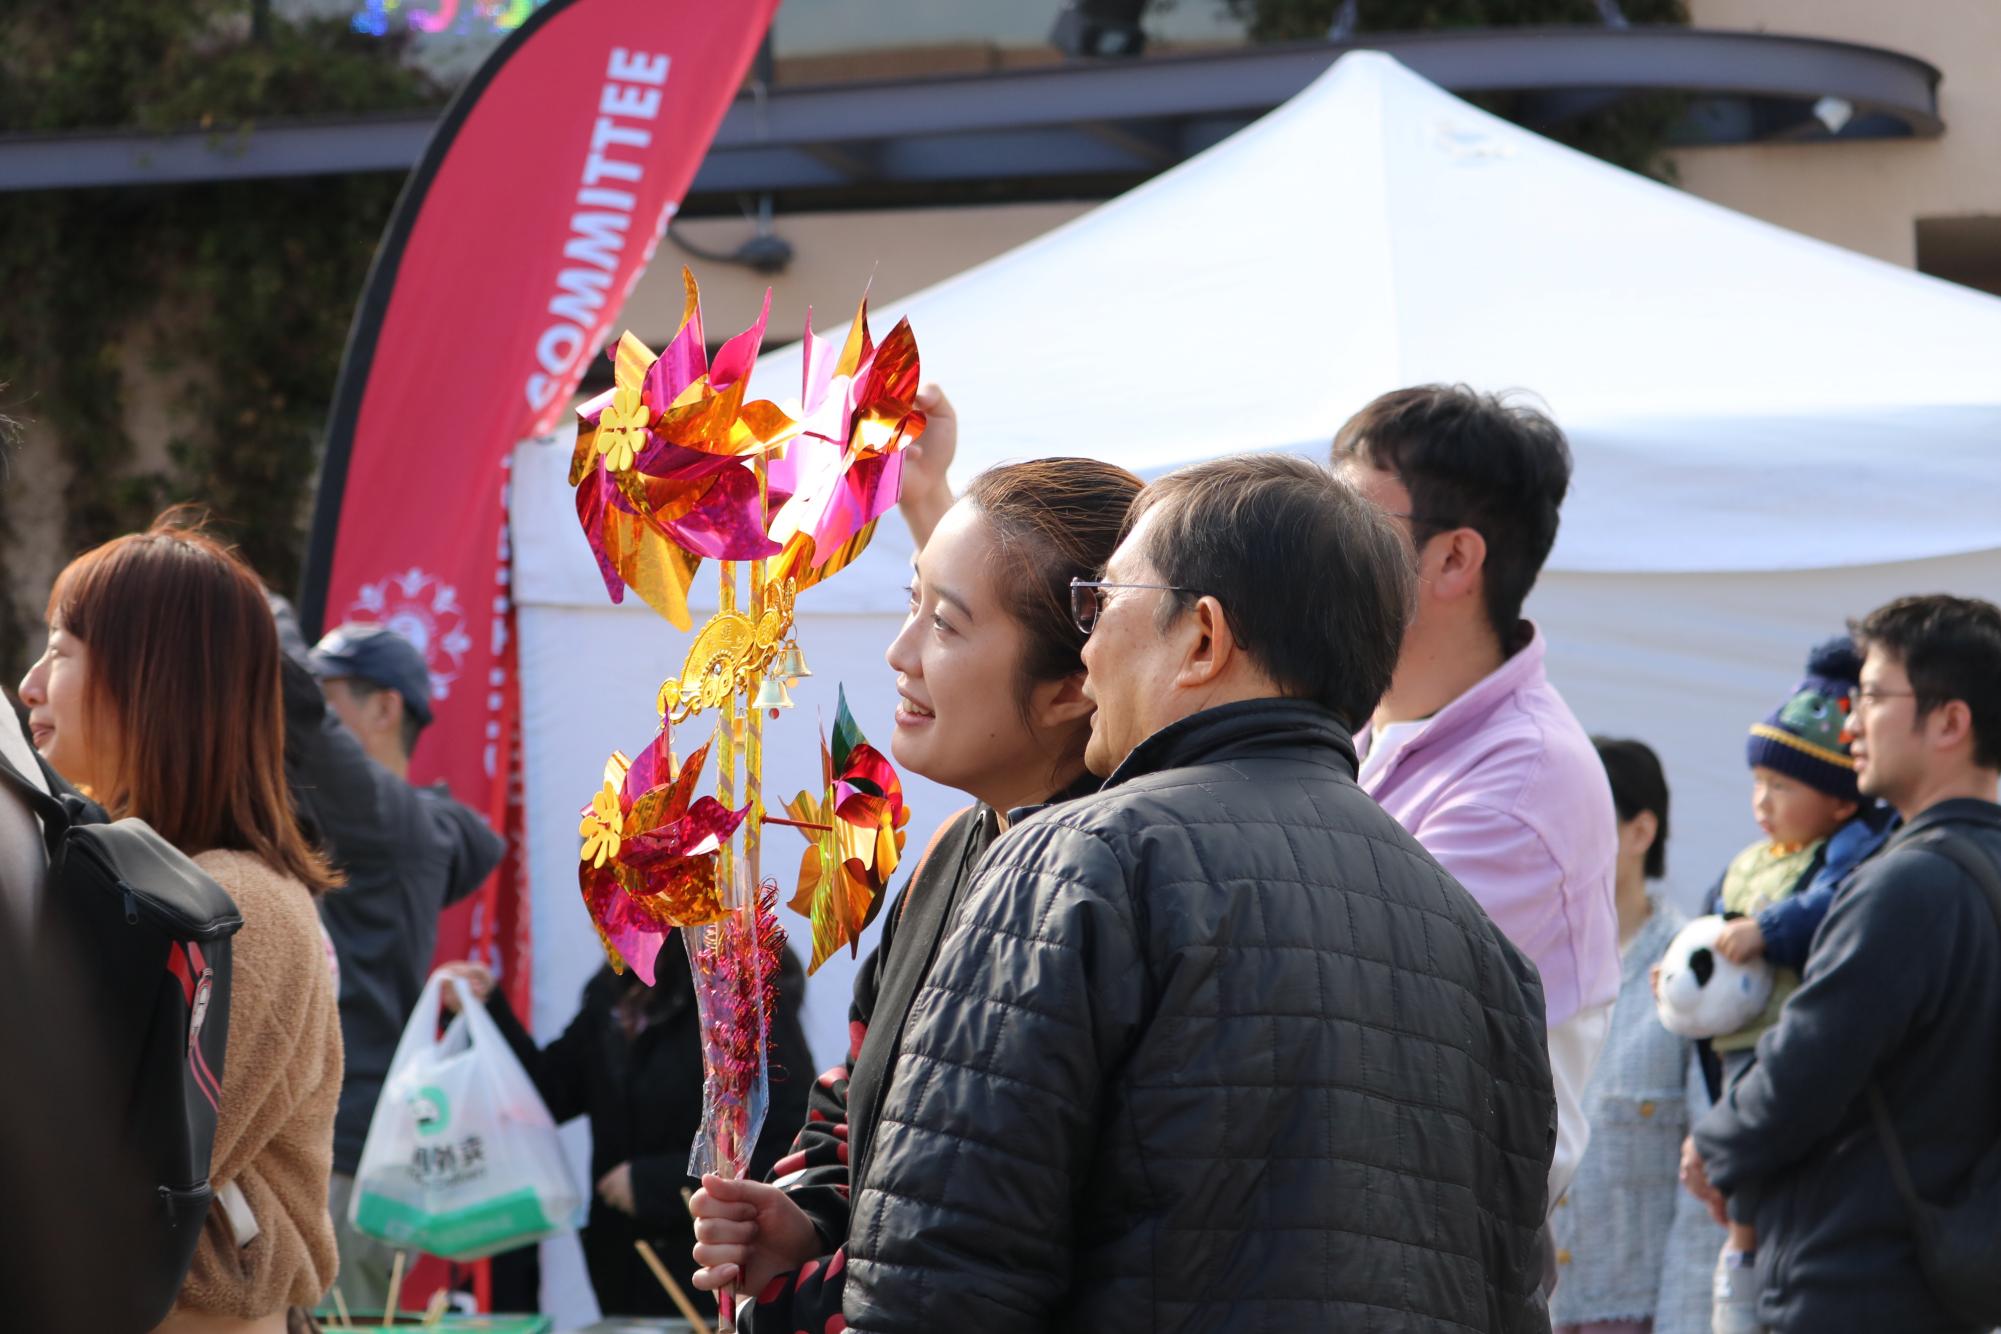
1219	1049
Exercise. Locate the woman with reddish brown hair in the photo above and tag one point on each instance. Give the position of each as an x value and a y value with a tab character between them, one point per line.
158	695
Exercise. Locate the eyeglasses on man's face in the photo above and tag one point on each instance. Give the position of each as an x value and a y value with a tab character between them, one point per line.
1087	599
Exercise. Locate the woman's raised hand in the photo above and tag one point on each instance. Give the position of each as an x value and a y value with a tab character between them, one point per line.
926	493
748	1233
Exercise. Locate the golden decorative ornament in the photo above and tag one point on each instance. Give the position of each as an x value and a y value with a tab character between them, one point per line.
730	650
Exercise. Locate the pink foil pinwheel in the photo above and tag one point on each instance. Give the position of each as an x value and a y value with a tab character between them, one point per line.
664	463
648	862
843	468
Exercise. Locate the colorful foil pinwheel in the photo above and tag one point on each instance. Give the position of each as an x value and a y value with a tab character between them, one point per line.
844	467
664	462
648	864
858	840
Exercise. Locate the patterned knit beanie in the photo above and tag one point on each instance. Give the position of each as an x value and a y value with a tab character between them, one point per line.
1802	737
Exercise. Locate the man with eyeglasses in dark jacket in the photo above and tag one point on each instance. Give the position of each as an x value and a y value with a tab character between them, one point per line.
1221	1047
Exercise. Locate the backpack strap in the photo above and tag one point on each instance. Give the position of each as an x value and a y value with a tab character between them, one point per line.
1968	857
54	815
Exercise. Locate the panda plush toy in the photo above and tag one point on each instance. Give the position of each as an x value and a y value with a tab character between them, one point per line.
1701	994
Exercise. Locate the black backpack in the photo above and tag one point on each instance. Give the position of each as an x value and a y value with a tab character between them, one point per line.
1958	1243
153	932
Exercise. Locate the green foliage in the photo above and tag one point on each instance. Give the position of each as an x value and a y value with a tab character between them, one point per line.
238	292
171	64
1630	132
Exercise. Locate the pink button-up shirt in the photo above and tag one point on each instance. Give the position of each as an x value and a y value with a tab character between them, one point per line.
1503	787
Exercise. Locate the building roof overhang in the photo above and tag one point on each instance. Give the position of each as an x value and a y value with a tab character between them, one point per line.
1082	127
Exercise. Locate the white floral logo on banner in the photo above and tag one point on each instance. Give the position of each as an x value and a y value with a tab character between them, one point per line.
425	611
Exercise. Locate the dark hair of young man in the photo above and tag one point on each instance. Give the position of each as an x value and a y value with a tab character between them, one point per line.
1316	583
1471	460
1950	647
1638	784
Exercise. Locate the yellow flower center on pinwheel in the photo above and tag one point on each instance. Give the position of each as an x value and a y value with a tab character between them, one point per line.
622	429
600	828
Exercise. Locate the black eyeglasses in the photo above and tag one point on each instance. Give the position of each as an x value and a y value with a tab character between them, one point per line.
1087	599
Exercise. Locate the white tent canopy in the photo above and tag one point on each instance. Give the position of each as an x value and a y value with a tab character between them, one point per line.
1376	231
1770	434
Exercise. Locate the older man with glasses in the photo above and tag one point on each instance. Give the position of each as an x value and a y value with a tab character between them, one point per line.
1220	1047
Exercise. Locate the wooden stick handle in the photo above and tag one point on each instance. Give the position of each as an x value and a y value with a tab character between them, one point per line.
395	1290
674	1292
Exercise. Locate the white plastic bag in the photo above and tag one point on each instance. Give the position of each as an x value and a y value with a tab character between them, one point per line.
462	1158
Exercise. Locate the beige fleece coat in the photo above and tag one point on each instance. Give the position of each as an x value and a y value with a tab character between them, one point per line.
274	1129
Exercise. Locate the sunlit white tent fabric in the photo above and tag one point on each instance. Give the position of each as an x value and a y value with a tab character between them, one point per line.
1771	434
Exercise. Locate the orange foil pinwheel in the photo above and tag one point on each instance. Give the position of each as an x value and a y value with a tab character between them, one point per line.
843	467
648	861
858	821
664	464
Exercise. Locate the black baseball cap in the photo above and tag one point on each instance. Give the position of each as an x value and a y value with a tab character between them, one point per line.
377	654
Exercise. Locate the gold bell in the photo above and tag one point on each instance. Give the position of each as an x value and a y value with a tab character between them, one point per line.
791	663
771	694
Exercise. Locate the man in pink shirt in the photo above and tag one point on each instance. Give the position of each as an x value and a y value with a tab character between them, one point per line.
1472	749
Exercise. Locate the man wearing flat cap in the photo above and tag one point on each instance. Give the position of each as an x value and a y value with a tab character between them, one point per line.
379	687
408	853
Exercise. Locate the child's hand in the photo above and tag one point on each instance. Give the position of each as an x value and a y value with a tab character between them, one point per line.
1695	1176
1741	941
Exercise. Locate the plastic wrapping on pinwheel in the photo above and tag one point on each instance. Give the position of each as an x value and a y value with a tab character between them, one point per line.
735	965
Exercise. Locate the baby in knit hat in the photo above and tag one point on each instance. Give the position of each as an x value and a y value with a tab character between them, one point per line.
1817	829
